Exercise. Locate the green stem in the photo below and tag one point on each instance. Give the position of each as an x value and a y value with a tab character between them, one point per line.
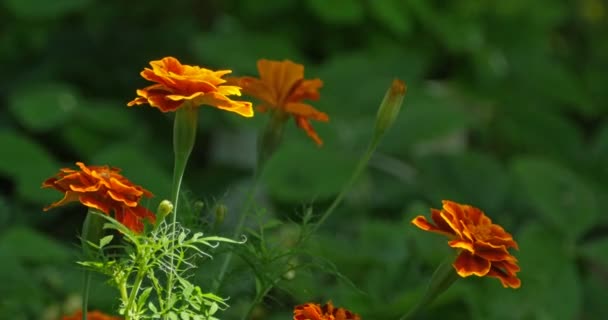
138	281
361	165
184	135
85	293
237	231
443	277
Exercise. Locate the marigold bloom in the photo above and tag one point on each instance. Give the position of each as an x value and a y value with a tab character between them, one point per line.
282	86
104	189
91	315
483	245
312	311
176	83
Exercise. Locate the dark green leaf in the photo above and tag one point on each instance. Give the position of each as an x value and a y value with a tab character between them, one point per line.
41	107
29	165
32	9
338	11
560	196
596	251
304	172
30	246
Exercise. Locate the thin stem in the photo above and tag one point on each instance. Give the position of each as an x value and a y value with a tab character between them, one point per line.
238	230
178	174
85	293
353	178
138	281
443	277
184	135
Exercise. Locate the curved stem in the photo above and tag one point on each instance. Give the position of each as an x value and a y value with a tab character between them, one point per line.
85	293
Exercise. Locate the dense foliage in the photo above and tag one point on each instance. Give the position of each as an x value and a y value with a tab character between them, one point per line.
506	109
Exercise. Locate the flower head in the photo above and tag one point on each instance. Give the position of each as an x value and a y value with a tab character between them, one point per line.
312	311
176	84
483	245
91	315
282	86
104	189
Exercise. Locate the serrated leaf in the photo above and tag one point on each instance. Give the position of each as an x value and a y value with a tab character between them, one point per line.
560	196
42	107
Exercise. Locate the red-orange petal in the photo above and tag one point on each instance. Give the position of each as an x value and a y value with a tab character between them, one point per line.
467	264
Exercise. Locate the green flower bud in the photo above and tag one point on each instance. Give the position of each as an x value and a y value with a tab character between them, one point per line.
164	209
390	107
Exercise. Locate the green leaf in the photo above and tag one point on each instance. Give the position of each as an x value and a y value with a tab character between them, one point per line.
28	164
545	131
28	245
596	250
465	178
427	123
393	14
33	9
303	172
560	196
105	240
346	12
42	107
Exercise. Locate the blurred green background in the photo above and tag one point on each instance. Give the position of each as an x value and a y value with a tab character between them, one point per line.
506	110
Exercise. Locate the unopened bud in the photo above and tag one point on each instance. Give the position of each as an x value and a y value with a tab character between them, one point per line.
390	107
164	209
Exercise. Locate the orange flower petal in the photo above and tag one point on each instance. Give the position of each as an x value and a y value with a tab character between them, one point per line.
281	85
176	84
422	223
505	279
310	311
483	245
467	264
104	189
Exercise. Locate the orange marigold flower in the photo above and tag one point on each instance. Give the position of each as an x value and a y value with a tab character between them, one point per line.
282	86
483	245
312	311
104	189
91	315
176	83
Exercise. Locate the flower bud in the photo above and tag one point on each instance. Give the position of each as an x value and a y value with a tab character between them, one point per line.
164	209
390	107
